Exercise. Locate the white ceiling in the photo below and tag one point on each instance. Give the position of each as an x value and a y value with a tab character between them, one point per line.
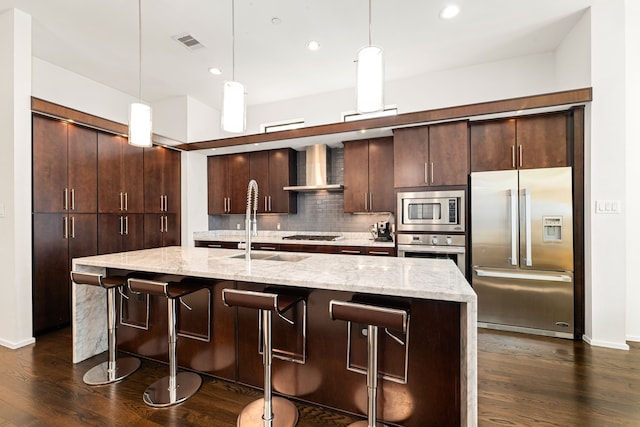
99	40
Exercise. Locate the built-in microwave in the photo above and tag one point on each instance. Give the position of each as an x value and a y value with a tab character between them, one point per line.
431	211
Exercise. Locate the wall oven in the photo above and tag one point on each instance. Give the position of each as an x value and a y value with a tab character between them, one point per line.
433	211
434	246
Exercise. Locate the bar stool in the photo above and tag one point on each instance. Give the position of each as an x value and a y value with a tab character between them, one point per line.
176	387
268	411
374	316
112	370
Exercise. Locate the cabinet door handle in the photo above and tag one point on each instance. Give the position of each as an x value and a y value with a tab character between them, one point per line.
161	223
73	227
166	203
426	172
65	228
121	225
346	251
65	199
266	207
378	253
520	154
73	199
513	156
269	203
365	201
126	225
267	248
431	172
166	224
370	201
228	204
161	203
214	246
126	201
121	201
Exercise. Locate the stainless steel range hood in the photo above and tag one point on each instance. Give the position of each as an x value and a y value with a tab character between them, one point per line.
318	171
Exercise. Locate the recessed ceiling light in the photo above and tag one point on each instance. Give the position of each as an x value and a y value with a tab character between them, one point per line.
215	71
450	11
313	45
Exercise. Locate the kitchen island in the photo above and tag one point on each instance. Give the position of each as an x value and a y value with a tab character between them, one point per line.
430	375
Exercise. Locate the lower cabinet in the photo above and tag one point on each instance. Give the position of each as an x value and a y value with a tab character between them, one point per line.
60	238
119	233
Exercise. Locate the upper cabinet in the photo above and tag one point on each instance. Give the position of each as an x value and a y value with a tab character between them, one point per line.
161	180
368	172
431	155
227	178
64	167
273	170
532	142
120	175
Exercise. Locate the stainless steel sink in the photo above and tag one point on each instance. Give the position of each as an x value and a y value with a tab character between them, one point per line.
273	257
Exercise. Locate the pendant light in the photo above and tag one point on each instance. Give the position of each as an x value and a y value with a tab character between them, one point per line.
370	77
233	103
140	113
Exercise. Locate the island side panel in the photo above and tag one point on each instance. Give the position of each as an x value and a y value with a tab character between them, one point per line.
432	395
88	317
469	363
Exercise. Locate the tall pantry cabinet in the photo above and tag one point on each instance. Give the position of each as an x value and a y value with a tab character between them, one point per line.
64	214
90	197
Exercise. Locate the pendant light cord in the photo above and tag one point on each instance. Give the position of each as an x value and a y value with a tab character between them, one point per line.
233	40
369	22
140	50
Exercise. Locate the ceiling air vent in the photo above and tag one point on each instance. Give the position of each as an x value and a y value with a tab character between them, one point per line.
188	41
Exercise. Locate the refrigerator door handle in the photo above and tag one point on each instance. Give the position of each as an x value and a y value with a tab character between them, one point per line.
525	276
527	226
514	225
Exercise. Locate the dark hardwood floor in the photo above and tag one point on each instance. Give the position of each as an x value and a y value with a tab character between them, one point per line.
523	381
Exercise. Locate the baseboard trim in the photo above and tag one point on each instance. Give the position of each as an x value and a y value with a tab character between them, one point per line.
15	345
607	344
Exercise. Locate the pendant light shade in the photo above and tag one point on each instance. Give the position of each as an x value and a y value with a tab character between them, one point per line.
370	80
233	108
140	125
139	113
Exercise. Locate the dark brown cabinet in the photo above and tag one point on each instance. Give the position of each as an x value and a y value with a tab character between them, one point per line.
431	155
58	238
120	175
531	142
161	197
64	167
227	181
273	170
368	175
118	233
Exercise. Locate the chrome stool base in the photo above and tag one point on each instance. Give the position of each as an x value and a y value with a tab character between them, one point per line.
365	424
285	413
100	375
159	395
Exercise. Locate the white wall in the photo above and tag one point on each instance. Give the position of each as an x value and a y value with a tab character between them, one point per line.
606	274
633	172
15	177
522	76
573	56
194	215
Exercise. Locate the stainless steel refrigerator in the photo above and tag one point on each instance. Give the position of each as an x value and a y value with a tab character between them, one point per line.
522	250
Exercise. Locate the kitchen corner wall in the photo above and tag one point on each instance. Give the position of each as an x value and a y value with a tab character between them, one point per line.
317	211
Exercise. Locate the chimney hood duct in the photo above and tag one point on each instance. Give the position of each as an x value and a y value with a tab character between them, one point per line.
318	171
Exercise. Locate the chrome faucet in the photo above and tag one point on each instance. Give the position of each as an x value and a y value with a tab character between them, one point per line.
250	225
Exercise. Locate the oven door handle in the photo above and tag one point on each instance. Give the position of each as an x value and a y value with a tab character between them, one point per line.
432	249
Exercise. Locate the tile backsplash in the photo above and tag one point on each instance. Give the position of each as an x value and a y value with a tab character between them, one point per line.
317	211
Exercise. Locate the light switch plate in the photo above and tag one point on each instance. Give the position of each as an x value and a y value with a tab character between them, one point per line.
608	206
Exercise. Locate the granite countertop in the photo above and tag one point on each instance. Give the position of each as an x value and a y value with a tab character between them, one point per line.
437	279
346	238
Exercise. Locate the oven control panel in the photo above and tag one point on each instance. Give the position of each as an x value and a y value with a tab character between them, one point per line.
431	239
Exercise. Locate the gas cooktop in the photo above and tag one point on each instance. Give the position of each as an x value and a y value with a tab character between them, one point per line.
312	237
